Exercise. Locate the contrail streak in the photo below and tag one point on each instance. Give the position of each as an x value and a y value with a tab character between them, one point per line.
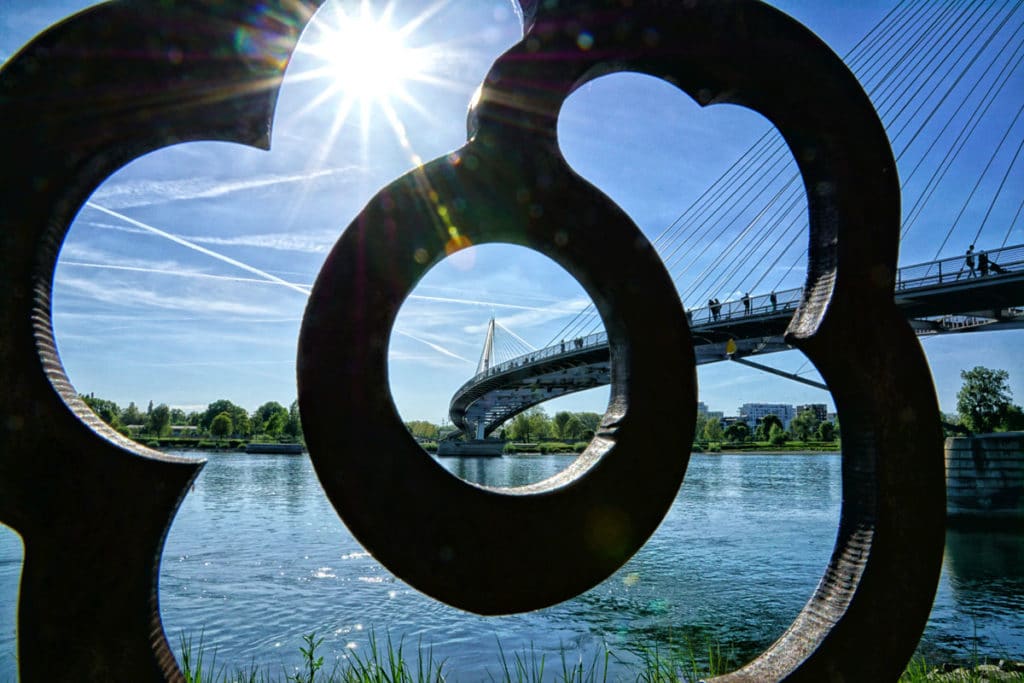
175	273
492	304
439	349
202	250
306	288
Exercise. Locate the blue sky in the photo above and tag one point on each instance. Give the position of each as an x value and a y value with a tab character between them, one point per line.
215	311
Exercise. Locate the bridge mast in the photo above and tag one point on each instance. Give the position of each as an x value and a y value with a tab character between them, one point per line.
487	355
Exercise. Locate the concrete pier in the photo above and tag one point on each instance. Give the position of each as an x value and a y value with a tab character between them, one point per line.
472	448
985	477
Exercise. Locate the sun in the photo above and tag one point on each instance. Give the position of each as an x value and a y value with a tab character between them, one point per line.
363	57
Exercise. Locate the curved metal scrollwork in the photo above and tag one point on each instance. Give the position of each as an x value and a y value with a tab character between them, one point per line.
93	508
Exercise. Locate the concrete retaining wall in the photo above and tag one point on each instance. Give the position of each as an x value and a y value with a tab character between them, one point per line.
985	476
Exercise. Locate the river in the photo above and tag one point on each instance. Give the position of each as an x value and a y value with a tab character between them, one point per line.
257	557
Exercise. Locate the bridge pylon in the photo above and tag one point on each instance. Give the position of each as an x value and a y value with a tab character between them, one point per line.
487	355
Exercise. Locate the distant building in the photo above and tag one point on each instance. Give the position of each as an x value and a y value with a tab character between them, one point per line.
820	410
702	411
752	412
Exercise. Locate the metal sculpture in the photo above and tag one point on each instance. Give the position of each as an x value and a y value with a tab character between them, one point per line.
93	508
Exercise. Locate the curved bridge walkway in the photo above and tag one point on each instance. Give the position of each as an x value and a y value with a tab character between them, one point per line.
938	297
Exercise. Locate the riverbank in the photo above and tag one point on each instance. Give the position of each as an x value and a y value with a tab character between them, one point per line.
180	443
752	448
387	661
767	448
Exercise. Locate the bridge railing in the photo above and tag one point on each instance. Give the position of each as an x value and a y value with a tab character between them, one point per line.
943	271
565	346
759	304
958	268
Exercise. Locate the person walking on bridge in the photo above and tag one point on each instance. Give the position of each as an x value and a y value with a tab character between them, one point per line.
969	259
983	263
746	303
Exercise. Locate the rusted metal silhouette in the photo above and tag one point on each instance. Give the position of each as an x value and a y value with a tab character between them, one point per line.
93	508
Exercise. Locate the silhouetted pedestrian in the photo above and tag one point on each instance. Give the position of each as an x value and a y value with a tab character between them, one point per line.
775	301
746	303
969	260
983	263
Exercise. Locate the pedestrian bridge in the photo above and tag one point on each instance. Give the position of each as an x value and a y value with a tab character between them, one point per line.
944	296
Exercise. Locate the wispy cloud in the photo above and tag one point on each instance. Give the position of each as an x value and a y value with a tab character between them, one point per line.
494	304
534	317
172	273
103	293
134	193
280	241
195	247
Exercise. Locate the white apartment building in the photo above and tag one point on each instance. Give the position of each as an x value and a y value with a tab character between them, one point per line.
752	412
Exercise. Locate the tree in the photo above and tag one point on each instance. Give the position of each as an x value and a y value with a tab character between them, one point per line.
560	421
108	411
294	426
178	417
804	425
737	432
519	430
221	425
1013	420
270	418
540	424
240	422
590	422
423	430
530	425
573	429
763	430
713	430
984	398
777	436
158	422
131	415
826	431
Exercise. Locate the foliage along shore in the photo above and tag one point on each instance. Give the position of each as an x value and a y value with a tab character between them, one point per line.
983	405
389	662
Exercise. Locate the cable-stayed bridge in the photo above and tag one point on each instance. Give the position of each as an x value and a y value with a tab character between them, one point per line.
937	297
947	81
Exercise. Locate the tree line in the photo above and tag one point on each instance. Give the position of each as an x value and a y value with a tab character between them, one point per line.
528	426
806	426
221	419
983	405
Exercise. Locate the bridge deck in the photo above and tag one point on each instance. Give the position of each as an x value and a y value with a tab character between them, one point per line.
938	297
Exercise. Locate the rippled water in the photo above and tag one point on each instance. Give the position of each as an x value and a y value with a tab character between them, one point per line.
257	557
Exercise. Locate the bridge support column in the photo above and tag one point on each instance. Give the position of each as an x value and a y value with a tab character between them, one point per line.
985	477
479	430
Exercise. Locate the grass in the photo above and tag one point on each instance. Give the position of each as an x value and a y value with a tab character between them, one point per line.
979	671
387	662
